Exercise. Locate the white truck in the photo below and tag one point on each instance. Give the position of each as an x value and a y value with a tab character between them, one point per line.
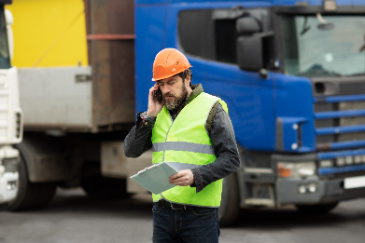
10	112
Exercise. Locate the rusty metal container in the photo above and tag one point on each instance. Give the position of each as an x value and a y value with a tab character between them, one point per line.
110	35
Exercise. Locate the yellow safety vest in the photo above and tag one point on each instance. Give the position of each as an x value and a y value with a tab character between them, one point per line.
185	140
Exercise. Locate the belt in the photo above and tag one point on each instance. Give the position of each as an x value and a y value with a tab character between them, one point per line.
173	206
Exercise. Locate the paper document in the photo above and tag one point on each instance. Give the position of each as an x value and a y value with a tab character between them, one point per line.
156	177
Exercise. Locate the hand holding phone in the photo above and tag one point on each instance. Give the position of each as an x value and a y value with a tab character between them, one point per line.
157	94
155	101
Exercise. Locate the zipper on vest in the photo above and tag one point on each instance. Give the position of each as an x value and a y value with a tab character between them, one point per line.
172	122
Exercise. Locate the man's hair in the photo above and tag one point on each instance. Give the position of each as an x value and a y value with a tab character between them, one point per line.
185	74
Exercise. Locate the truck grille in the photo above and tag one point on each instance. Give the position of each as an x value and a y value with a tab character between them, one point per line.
339	107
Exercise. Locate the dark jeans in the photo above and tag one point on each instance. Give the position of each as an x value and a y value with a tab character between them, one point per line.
195	224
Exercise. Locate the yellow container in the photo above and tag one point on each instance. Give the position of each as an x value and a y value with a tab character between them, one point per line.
49	33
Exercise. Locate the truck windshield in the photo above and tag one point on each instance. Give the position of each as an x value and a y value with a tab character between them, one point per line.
322	46
4	50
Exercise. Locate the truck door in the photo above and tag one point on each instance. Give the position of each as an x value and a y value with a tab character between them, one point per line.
210	38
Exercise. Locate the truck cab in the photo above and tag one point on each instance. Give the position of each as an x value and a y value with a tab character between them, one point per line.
10	112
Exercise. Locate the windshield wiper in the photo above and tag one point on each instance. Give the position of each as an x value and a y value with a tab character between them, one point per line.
305	27
363	46
317	70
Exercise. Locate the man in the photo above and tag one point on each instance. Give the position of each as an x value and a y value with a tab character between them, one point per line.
193	128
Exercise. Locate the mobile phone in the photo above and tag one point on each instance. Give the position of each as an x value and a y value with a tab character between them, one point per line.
158	95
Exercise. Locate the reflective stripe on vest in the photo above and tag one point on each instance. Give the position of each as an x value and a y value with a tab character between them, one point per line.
183	146
185	140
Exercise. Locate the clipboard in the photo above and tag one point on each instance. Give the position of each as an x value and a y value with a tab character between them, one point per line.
156	177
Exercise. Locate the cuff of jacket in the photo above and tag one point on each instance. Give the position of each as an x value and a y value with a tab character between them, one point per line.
140	122
198	180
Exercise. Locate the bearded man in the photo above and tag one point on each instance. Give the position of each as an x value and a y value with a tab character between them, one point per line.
187	126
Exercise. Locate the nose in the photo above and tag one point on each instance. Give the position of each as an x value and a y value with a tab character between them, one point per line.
164	89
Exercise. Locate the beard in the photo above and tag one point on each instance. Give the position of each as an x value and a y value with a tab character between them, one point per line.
177	101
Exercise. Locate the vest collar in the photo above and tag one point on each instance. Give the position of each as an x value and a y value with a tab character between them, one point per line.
197	90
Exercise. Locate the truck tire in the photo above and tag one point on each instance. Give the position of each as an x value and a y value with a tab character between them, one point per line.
31	195
228	211
320	208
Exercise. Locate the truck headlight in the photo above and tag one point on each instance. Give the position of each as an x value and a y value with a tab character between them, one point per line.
301	169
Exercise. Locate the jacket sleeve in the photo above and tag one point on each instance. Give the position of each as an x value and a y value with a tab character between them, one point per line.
225	148
138	139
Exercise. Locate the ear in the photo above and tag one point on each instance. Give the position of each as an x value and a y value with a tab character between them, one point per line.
188	81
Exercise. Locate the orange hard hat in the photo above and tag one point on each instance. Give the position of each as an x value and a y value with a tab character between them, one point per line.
169	62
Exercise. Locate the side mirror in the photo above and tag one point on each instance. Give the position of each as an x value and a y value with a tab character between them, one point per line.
9	21
249	53
248	25
252	47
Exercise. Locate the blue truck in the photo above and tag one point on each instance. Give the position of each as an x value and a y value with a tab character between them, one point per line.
292	74
291	71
